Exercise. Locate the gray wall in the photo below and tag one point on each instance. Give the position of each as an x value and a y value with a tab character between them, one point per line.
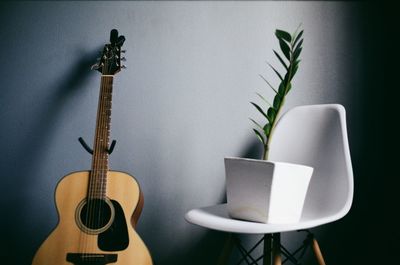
179	108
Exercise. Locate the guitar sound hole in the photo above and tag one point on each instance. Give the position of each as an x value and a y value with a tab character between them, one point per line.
95	215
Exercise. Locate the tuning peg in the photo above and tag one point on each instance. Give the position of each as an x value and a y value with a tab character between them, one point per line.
123	59
123	66
95	66
123	51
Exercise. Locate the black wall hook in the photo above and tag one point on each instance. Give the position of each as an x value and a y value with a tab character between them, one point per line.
90	150
111	148
85	146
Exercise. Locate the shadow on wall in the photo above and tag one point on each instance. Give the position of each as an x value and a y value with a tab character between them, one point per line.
253	150
19	245
204	251
208	247
356	239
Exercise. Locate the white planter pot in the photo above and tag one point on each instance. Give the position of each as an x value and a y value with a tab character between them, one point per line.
266	191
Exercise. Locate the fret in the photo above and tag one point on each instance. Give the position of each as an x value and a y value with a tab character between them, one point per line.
98	177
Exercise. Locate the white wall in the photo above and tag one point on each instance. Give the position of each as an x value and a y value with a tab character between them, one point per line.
179	108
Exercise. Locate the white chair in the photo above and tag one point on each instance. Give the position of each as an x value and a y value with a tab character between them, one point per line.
313	135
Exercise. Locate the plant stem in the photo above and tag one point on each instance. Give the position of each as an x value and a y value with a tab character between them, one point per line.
268	140
265	152
266	146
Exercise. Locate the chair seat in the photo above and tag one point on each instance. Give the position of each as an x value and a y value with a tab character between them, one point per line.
217	218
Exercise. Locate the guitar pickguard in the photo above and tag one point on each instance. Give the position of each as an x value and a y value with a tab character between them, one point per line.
116	237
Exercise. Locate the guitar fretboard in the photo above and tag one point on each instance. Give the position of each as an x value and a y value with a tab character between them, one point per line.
98	176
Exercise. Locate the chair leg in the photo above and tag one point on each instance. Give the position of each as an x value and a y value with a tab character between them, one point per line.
276	249
223	258
317	252
272	250
267	249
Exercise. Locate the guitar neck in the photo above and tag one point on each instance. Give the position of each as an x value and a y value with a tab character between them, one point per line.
98	178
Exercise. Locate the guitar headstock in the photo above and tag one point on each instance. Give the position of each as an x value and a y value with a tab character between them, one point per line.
110	61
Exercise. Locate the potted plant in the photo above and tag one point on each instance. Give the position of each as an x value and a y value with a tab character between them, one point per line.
262	190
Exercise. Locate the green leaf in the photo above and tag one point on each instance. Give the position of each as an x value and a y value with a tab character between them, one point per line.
296	63
298	45
297	52
298	37
281	60
257	124
296	31
294	71
281	90
271	115
276	72
277	101
285	49
266	81
267	129
259	136
280	34
259	109
266	101
286	79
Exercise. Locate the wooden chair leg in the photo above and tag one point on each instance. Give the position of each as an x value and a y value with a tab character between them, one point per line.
223	258
267	249
317	252
276	249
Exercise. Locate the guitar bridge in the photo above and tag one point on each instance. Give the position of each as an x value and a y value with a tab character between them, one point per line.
91	258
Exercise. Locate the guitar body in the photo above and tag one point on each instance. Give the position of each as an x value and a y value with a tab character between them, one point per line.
117	244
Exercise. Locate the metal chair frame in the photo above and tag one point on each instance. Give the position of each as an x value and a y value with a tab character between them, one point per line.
273	250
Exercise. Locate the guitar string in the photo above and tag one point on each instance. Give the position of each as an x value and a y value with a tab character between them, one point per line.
107	131
94	180
105	126
101	157
100	188
91	182
98	160
91	201
84	248
93	177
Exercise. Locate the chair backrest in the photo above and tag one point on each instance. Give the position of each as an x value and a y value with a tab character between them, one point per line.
316	135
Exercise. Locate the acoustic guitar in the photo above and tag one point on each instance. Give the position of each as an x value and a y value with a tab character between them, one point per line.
98	209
